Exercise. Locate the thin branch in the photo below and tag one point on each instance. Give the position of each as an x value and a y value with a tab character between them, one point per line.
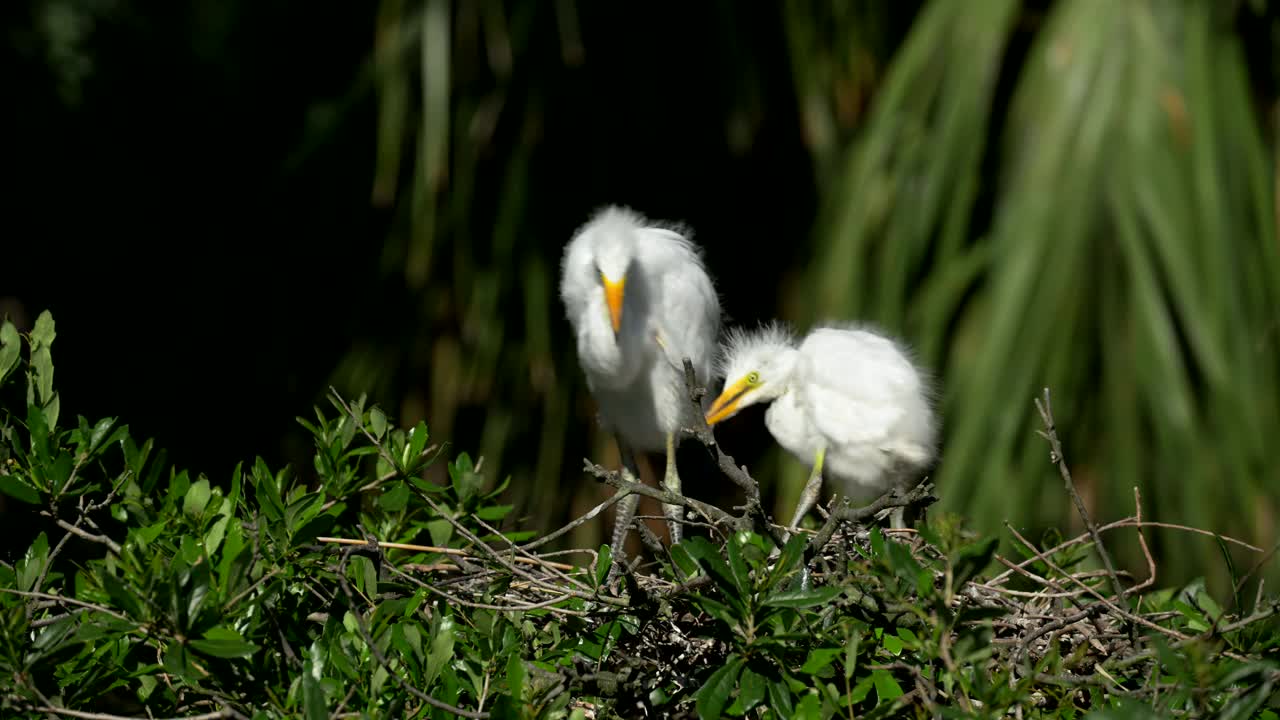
753	512
441	551
1142	542
1100	598
223	713
101	539
523	556
1050	433
590	515
614	479
1129	522
846	513
68	601
545	604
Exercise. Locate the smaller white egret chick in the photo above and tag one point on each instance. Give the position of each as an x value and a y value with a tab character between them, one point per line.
847	401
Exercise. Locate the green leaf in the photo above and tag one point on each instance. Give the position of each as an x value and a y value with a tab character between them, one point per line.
717	610
515	676
684	561
217	531
124	597
198	595
802	598
810	708
851	653
395	498
713	696
441	531
365	575
441	648
147	685
302	510
10	347
971	559
789	559
99	434
738	566
51	637
42	363
892	643
491	513
462	473
417	441
15	488
708	556
780	699
234	494
38	429
43	333
33	563
223	642
412	636
377	422
197	498
232	546
314	705
819	659
604	559
887	689
751	689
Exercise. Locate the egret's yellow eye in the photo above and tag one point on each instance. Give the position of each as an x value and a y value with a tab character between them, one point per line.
753	378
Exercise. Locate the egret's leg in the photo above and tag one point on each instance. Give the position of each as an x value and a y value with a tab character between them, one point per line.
671	481
809	497
905	517
625	508
897	518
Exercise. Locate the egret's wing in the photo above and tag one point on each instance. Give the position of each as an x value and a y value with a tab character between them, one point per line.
857	386
688	315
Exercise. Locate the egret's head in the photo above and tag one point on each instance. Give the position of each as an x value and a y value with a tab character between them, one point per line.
756	366
613	237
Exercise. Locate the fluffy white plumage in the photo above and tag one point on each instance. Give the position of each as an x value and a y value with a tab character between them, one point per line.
846	401
640	300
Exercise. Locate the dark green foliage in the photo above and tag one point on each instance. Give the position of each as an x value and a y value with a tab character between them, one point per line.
150	592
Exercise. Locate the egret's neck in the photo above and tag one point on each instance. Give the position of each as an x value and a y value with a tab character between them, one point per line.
611	360
781	374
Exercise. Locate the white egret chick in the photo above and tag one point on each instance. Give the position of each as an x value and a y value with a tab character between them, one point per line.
640	301
846	401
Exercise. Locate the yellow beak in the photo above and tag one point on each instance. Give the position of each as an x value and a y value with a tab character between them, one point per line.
613	296
726	405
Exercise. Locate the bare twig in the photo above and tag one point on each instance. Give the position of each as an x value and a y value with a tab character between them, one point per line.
615	479
68	601
753	512
1142	542
589	515
1050	433
439	550
844	512
1129	522
1253	571
65	712
101	539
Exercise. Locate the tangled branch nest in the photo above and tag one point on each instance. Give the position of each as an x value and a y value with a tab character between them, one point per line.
1040	613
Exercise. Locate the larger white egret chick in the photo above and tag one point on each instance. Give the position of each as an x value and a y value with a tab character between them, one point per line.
640	302
847	401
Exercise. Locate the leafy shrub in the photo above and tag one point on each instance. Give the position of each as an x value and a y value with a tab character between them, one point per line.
149	592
